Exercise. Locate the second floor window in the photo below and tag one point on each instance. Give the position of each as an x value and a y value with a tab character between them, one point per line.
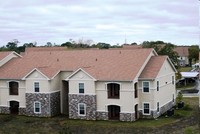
157	85
136	90
81	88
37	86
13	88
145	86
113	90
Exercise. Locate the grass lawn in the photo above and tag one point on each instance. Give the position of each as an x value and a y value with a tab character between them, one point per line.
185	69
62	125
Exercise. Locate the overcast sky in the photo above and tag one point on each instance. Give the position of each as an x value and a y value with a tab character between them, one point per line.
109	21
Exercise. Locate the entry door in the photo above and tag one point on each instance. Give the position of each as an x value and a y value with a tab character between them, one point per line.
114	112
14	107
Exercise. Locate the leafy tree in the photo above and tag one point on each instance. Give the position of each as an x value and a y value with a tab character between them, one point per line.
193	54
134	43
12	45
49	44
163	48
22	48
101	45
67	44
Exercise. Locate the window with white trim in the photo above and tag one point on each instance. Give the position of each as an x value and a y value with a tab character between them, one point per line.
37	86
158	109
82	109
81	88
37	107
113	90
158	85
13	88
145	86
146	109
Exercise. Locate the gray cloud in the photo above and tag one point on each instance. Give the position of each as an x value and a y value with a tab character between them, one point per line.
106	21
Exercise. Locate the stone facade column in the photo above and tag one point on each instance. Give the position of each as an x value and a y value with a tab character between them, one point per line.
5	110
50	104
88	100
55	103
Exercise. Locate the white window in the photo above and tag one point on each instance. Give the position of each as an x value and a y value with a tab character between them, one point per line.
81	88
37	107
173	80
81	109
37	86
145	86
157	85
146	109
158	109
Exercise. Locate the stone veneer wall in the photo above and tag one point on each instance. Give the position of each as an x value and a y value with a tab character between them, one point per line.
22	111
127	116
101	115
5	110
155	114
89	100
55	103
48	103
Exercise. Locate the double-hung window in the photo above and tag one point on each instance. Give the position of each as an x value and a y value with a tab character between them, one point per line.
82	109
145	86
81	88
37	86
146	109
37	107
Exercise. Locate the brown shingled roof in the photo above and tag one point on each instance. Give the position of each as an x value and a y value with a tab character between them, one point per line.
4	54
100	64
182	51
153	67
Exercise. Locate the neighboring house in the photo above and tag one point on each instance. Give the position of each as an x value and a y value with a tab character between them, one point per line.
116	84
183	55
